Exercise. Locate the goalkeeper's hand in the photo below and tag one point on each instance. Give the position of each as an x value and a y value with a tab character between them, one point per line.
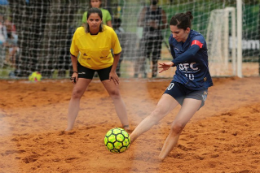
113	76
74	77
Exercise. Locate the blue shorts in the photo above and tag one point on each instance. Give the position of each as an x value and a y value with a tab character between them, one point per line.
87	73
179	92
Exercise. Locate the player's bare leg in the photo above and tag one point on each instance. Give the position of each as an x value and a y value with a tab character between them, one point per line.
113	91
188	109
78	90
166	104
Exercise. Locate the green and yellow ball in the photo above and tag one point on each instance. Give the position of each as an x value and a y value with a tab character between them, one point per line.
117	140
35	77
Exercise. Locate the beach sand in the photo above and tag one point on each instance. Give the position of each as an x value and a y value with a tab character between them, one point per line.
223	136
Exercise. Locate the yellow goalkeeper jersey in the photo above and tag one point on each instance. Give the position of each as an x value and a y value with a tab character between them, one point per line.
95	50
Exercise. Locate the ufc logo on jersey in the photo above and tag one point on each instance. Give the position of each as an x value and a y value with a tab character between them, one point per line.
186	66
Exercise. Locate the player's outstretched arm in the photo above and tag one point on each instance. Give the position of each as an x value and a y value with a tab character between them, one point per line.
165	66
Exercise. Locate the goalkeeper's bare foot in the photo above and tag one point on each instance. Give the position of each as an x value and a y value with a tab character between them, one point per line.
126	127
71	132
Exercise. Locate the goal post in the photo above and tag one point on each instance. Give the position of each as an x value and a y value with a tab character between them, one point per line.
221	37
239	38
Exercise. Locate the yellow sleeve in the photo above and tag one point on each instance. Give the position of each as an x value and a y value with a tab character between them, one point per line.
115	43
74	50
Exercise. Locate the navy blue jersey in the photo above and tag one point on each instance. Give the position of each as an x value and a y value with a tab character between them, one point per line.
191	61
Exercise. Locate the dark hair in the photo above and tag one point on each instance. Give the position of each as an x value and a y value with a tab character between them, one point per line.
91	11
182	20
116	22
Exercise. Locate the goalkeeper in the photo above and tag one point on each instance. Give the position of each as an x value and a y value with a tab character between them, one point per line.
190	83
94	42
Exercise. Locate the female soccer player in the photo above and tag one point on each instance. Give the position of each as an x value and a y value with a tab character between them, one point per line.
94	43
105	13
190	83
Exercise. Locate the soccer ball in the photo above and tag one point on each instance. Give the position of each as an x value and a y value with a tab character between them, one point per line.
117	140
35	77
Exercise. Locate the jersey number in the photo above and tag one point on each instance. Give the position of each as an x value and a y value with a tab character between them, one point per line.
190	76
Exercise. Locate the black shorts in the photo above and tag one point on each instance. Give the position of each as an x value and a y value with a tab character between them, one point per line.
179	92
87	73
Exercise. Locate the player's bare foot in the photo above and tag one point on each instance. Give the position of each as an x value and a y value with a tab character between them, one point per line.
161	158
68	129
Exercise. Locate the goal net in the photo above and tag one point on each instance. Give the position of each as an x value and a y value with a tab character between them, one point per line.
220	38
41	33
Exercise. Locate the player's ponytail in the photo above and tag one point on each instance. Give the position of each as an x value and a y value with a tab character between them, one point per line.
182	20
188	13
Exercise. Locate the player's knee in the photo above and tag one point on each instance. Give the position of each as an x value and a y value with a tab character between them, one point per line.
177	127
114	94
157	114
76	94
159	111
